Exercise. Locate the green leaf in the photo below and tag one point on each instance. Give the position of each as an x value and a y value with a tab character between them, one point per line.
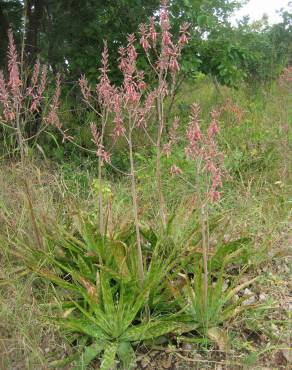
202	20
89	354
54	278
232	291
82	325
108	302
108	359
126	355
225	253
155	329
84	268
69	359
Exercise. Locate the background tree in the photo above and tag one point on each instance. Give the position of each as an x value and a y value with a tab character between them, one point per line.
68	36
231	54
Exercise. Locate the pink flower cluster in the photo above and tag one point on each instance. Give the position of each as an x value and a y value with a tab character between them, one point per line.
8	111
36	90
53	118
286	77
10	92
130	101
104	90
17	102
120	101
100	152
232	107
175	170
170	51
14	82
203	147
133	83
172	137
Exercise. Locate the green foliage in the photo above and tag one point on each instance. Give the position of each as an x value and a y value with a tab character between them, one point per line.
211	51
268	47
252	52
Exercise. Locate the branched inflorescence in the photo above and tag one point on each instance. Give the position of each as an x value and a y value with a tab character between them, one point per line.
286	77
21	101
203	148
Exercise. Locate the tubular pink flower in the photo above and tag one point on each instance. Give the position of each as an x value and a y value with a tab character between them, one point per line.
193	132
175	170
166	38
152	32
4	100
183	40
83	83
144	43
214	194
184	37
165	26
119	128
149	102
100	152
204	148
104	90
141	85
105	59
173	65
213	128
122	58
131	51
166	150
95	135
40	91
144	37
34	79
53	118
172	138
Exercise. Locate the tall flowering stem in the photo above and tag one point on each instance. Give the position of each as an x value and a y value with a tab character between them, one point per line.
20	101
134	113
105	92
165	64
131	105
203	150
124	104
103	97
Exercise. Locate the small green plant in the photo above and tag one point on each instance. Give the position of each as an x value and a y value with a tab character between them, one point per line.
223	304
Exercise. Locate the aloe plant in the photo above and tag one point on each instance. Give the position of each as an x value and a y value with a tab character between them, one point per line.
99	290
221	303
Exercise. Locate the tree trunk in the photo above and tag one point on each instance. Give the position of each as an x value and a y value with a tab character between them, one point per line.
4	25
35	12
